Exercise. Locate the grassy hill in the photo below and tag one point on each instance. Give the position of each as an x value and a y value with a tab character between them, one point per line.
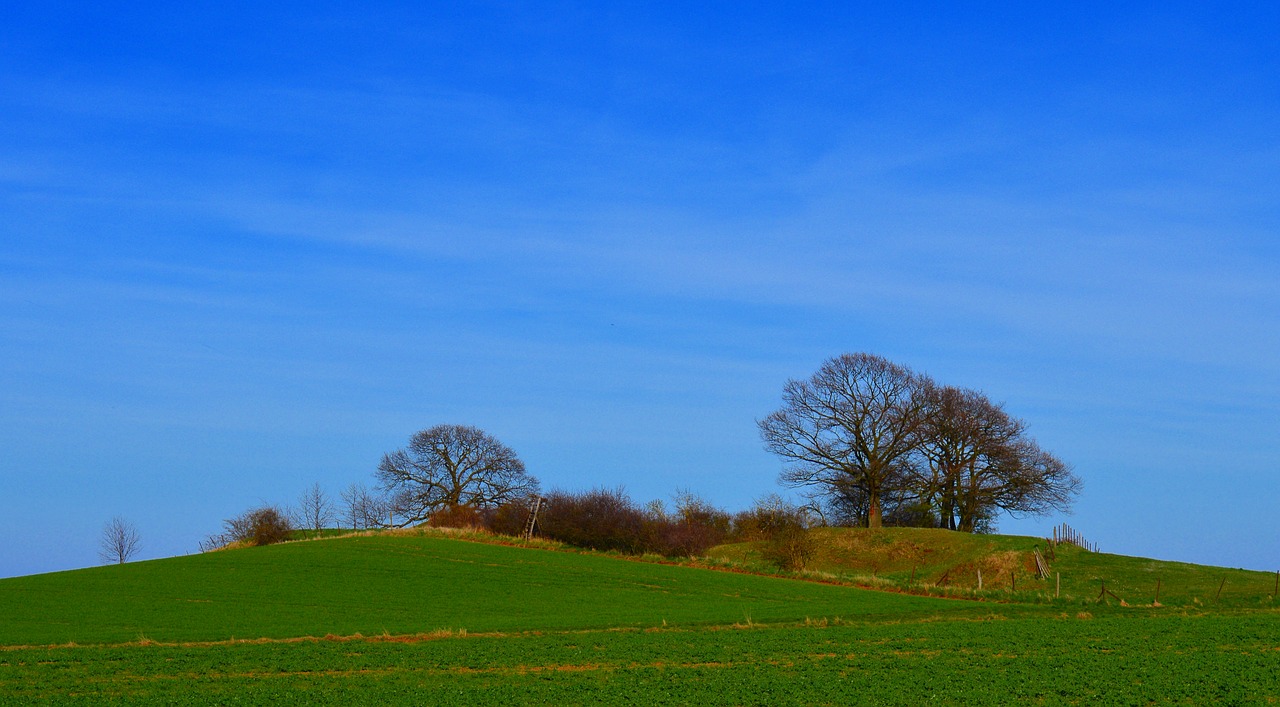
448	621
405	584
420	582
925	559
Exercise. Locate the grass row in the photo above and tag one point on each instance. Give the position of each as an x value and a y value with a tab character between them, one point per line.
1108	658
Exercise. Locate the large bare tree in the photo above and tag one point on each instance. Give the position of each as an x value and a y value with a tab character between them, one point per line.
451	465
963	433
853	426
120	541
976	460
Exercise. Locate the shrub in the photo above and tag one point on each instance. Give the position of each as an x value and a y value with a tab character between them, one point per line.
783	529
456	517
684	539
265	525
608	520
790	548
599	520
694	528
268	525
510	517
763	520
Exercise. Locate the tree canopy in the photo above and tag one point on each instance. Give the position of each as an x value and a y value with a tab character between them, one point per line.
870	438
452	465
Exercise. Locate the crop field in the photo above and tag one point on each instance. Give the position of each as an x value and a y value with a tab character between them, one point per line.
1046	660
428	619
408	584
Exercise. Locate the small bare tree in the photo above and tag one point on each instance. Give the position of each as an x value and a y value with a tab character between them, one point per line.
315	510
120	541
363	509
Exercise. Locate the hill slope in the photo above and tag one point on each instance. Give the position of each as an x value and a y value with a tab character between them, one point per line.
554	627
406	584
922	558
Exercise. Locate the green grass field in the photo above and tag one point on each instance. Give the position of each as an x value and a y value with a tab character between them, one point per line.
406	584
1044	660
448	621
920	559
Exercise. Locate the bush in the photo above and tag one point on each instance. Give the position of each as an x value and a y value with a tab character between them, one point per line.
696	527
608	520
782	528
597	520
790	548
456	517
510	517
265	525
681	539
768	516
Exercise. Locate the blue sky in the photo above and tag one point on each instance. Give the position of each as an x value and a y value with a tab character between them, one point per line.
244	250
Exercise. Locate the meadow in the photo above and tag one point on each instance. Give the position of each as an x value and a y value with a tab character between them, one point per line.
929	560
431	619
406	584
1047	660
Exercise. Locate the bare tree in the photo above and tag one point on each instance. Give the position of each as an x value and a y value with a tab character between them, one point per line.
451	465
315	510
963	433
851	427
977	460
120	541
363	509
872	442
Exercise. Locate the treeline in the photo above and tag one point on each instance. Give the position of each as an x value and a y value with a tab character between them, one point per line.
867	441
606	520
609	520
356	508
874	443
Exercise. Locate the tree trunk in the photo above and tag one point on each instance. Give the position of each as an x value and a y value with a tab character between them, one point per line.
873	512
949	500
968	517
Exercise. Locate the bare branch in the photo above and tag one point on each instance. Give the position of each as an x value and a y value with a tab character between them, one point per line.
451	465
850	426
315	510
120	541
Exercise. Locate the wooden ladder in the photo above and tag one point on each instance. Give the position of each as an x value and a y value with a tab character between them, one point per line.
532	523
1042	567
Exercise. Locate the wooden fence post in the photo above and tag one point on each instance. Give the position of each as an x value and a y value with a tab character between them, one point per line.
1057	585
979	579
1157	590
1220	586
